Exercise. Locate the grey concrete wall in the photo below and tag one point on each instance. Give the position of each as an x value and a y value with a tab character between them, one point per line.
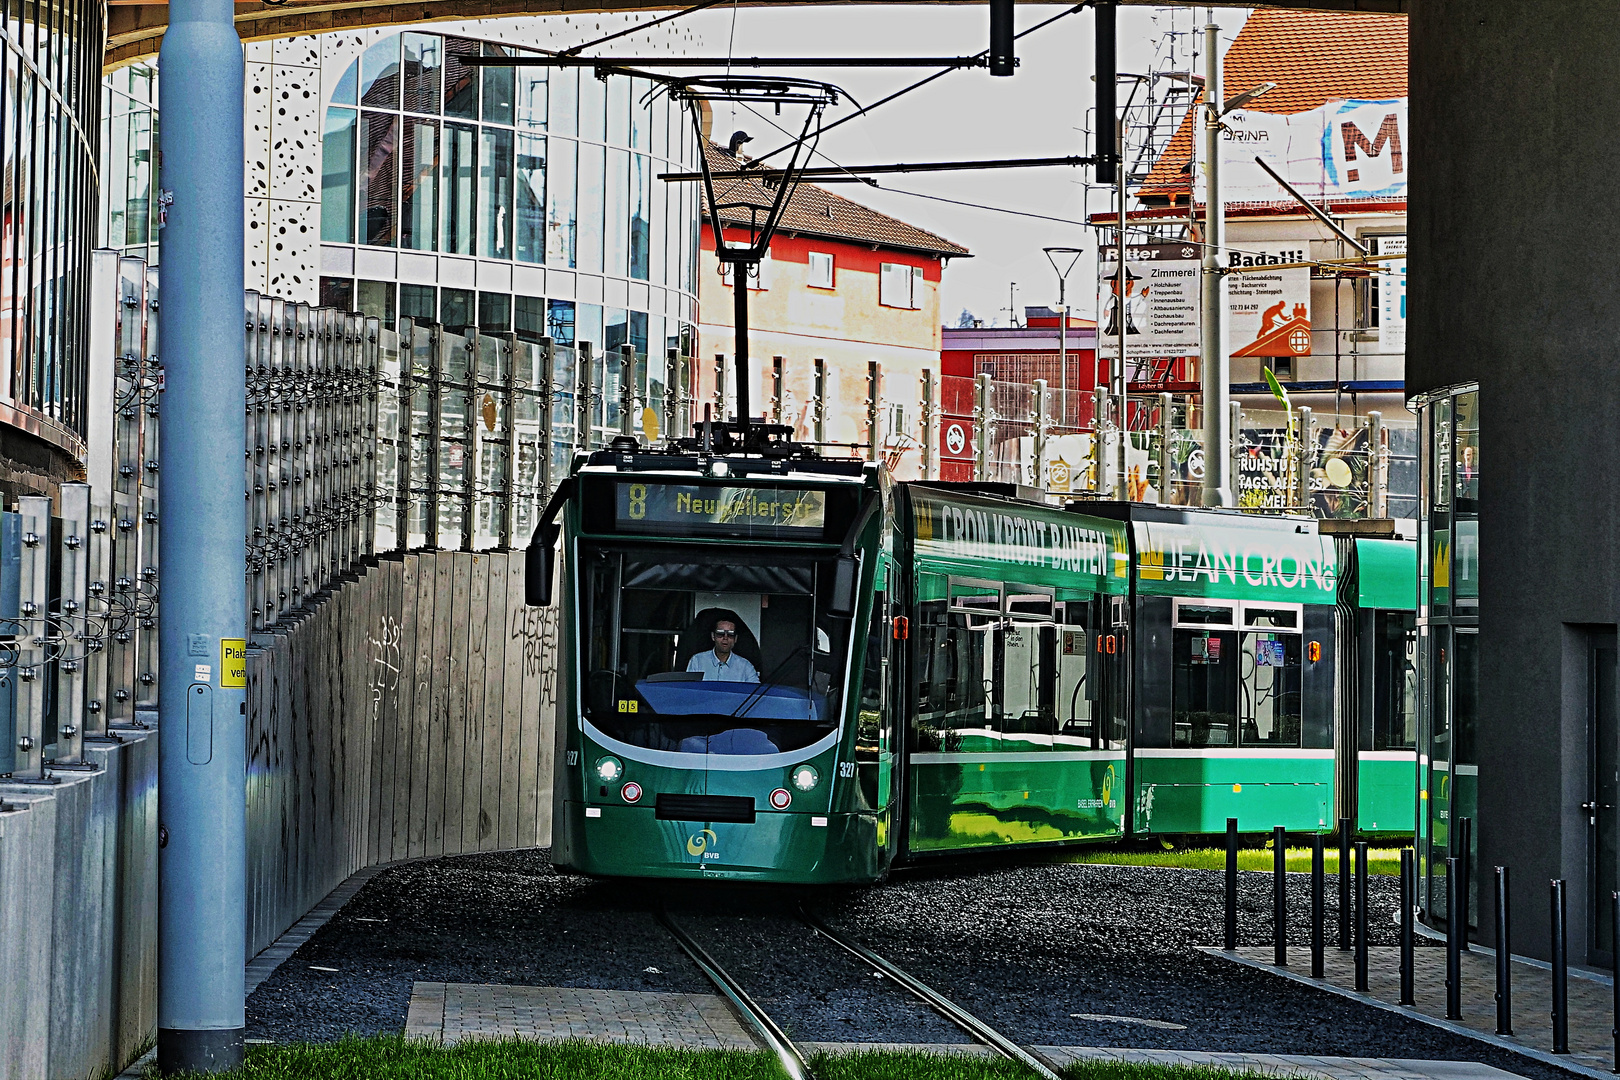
78	915
1515	283
407	713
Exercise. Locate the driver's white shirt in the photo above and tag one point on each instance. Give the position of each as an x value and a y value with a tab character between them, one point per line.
732	669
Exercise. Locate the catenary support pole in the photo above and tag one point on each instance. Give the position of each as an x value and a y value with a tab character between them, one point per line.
1213	360
202	791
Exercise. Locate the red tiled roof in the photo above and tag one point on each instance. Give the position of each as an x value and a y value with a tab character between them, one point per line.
815	211
1314	57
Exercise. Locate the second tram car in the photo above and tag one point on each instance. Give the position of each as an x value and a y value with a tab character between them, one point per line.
778	667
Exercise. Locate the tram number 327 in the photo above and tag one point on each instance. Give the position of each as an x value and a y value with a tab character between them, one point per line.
846	769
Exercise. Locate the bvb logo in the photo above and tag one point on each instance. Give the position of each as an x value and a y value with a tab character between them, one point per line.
699	842
638	501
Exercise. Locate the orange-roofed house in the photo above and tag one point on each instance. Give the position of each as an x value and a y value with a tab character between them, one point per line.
1340	102
844	328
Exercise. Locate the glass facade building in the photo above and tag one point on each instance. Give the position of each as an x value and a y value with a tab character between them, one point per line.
1448	637
49	119
515	200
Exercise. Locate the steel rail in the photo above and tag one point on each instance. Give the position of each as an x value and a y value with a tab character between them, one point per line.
775	1038
941	1004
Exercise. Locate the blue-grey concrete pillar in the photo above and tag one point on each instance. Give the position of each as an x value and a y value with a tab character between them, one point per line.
202	809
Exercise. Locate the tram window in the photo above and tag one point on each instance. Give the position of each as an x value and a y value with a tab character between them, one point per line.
1395	682
1269	706
650	621
1465	695
1204	688
1075	692
1203	615
873	718
1271	618
1030	605
1028	672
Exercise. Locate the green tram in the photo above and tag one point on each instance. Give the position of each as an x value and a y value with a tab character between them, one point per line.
776	667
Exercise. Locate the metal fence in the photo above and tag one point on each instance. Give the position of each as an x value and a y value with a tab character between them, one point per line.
1037	436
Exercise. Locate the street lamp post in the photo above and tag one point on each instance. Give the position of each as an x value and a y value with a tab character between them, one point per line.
1063	308
1215	362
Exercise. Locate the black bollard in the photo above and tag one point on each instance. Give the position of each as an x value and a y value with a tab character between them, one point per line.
1465	888
1408	917
1279	896
1361	916
1615	930
1344	883
1560	971
1318	902
1230	942
1504	957
1453	944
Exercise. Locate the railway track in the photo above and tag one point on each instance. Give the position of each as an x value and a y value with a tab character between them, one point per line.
792	1058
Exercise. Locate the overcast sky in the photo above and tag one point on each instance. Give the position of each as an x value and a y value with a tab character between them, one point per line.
965	115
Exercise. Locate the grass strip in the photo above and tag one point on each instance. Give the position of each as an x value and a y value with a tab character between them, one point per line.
393	1057
1379	860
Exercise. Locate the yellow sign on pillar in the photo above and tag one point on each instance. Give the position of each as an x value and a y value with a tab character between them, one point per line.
232	663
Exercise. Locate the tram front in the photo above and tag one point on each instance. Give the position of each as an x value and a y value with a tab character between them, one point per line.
707	606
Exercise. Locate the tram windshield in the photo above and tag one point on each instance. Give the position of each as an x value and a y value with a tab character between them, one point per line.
714	651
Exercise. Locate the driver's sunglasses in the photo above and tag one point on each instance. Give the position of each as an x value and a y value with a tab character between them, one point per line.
725	633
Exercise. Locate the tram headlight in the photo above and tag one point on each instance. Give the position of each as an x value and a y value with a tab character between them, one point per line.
609	769
805	777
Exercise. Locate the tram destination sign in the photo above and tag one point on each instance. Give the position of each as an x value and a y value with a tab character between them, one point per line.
703	510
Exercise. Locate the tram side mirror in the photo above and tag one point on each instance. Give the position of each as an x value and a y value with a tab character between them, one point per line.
842	600
540	566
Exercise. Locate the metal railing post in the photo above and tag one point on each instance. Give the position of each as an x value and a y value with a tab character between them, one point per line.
98	590
507	411
1101	475
1042	424
674	372
1237	456
1504	956
983	418
1305	457
1376	466
874	409
1560	970
1318	902
32	602
627	390
1361	915
720	385
548	403
1279	896
435	431
70	666
406	435
472	445
584	394
1229	940
930	427
1167	434
371	374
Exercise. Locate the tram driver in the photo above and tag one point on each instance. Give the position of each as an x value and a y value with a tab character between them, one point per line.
722	663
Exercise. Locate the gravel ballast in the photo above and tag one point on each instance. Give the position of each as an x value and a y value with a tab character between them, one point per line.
1024	946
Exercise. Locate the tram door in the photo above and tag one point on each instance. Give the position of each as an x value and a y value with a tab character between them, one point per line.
1603	793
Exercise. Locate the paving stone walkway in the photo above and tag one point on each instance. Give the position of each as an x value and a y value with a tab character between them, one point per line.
1591	1001
451	1012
